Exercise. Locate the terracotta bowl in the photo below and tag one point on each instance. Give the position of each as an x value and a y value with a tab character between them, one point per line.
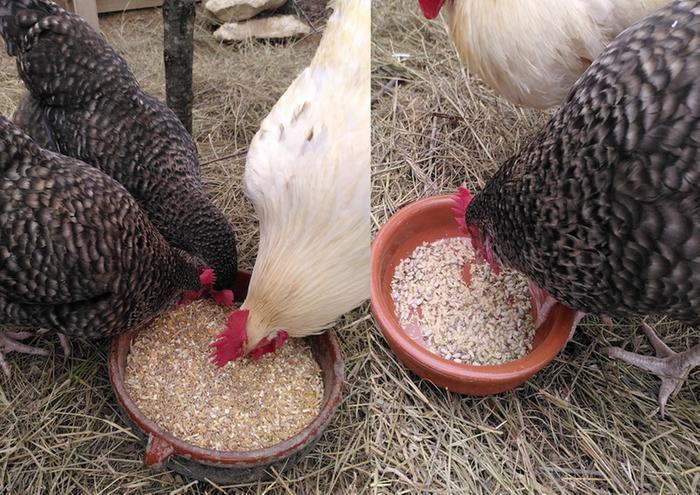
431	219
162	448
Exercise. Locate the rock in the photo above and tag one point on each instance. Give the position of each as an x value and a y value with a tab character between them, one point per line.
240	10
282	26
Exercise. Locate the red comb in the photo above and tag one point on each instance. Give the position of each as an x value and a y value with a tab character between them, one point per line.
229	344
460	203
207	277
268	345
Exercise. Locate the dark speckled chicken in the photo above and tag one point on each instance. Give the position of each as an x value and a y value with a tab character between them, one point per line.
78	256
602	209
85	103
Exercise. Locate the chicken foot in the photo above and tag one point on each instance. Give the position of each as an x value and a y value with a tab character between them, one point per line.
10	342
672	367
65	345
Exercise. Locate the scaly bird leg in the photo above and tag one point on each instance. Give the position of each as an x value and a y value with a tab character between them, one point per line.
9	342
65	345
672	367
542	300
22	335
577	319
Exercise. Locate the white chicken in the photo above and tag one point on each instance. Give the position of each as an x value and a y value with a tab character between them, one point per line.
308	177
533	51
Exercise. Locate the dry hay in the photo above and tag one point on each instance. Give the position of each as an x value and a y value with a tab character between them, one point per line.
586	423
60	431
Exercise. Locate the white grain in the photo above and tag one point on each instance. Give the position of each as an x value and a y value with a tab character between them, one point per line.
243	406
487	322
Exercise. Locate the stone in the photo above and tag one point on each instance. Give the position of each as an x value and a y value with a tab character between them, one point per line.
240	10
282	26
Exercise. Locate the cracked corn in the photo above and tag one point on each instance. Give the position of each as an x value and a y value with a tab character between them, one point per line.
243	406
484	323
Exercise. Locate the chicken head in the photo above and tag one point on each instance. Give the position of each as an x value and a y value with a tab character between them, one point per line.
480	243
236	341
207	279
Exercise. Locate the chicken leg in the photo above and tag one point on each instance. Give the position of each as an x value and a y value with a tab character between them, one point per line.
65	345
10	342
672	367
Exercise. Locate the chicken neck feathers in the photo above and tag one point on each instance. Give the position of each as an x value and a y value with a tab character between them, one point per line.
533	51
307	174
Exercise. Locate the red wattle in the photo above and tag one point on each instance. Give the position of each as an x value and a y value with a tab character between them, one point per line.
431	8
268	345
223	297
460	203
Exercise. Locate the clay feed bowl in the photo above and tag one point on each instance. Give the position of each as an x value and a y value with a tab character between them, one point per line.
431	219
228	467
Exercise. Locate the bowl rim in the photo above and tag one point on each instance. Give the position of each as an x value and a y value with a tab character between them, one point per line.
529	364
122	343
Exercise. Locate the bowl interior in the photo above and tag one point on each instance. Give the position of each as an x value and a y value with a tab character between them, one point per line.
325	350
429	220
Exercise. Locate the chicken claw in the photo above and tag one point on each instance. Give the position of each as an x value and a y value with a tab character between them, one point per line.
5	366
9	342
65	345
672	367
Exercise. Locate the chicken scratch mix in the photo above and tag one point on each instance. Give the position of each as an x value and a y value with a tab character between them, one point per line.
486	321
243	406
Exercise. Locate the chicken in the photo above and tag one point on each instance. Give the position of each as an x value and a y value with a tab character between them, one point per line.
532	51
307	175
602	209
78	256
84	102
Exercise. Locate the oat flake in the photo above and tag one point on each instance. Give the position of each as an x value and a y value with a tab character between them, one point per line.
485	322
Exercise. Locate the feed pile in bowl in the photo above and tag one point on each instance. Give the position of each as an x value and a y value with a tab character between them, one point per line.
458	308
243	406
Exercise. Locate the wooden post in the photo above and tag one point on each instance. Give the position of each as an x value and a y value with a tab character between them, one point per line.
87	9
178	22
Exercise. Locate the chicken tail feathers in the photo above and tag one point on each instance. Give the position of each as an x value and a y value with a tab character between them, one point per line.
18	16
